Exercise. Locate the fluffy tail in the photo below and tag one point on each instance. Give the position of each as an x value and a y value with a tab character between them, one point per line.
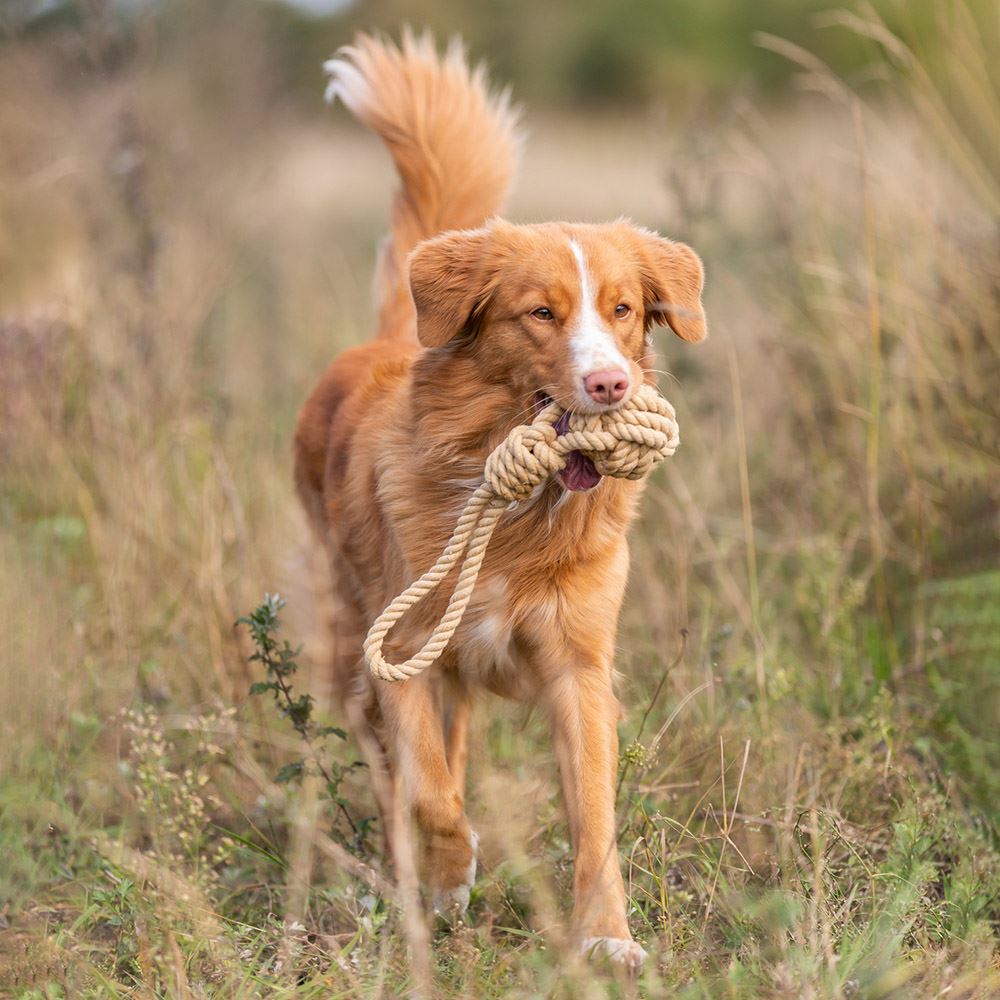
453	141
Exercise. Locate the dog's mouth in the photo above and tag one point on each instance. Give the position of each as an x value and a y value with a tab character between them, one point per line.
580	473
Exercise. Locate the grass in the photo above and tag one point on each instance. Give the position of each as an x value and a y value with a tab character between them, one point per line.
810	652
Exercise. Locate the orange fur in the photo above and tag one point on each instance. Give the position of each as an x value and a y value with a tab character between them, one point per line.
393	439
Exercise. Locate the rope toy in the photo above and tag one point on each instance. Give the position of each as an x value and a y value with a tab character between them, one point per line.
624	443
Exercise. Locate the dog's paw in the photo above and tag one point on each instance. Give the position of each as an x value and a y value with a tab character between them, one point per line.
621	951
452	903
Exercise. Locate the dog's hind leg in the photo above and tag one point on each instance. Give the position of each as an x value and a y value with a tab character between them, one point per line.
364	722
430	793
353	692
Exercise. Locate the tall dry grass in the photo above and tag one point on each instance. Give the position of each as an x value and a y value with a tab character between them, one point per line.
810	647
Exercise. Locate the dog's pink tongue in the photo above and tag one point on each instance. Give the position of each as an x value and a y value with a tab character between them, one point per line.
580	473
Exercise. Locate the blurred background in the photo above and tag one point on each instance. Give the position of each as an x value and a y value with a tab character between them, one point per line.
810	652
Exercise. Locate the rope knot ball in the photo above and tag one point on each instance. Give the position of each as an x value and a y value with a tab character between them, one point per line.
525	458
625	443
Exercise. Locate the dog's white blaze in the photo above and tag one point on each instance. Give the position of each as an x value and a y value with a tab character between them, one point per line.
591	344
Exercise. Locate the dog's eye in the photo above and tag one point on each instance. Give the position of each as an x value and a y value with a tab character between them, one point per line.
622	310
543	314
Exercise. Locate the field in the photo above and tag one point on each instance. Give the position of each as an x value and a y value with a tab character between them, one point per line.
810	651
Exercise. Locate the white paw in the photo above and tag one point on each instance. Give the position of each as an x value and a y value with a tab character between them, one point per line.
454	902
621	951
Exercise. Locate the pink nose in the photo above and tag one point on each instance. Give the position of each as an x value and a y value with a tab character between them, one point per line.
606	386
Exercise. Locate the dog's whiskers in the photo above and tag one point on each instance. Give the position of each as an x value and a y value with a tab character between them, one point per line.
665	374
529	409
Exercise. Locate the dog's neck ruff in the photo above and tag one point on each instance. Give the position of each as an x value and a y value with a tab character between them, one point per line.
625	443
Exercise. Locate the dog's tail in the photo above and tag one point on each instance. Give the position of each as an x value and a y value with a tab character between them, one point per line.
453	141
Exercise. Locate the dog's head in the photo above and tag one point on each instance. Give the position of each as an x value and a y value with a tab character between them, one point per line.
557	311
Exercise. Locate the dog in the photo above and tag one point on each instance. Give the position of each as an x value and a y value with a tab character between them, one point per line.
482	322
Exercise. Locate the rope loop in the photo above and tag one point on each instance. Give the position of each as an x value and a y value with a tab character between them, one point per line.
625	443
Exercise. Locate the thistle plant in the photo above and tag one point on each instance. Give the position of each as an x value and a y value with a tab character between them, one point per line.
279	659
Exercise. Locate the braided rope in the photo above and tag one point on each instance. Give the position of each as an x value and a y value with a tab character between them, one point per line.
624	443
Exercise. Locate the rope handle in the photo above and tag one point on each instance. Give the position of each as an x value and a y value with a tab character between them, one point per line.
625	443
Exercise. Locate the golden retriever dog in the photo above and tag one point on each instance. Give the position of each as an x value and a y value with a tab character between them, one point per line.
480	323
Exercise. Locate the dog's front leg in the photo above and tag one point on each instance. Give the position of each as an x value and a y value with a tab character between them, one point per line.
584	713
434	800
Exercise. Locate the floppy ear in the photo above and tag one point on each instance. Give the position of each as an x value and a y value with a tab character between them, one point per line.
449	281
672	279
